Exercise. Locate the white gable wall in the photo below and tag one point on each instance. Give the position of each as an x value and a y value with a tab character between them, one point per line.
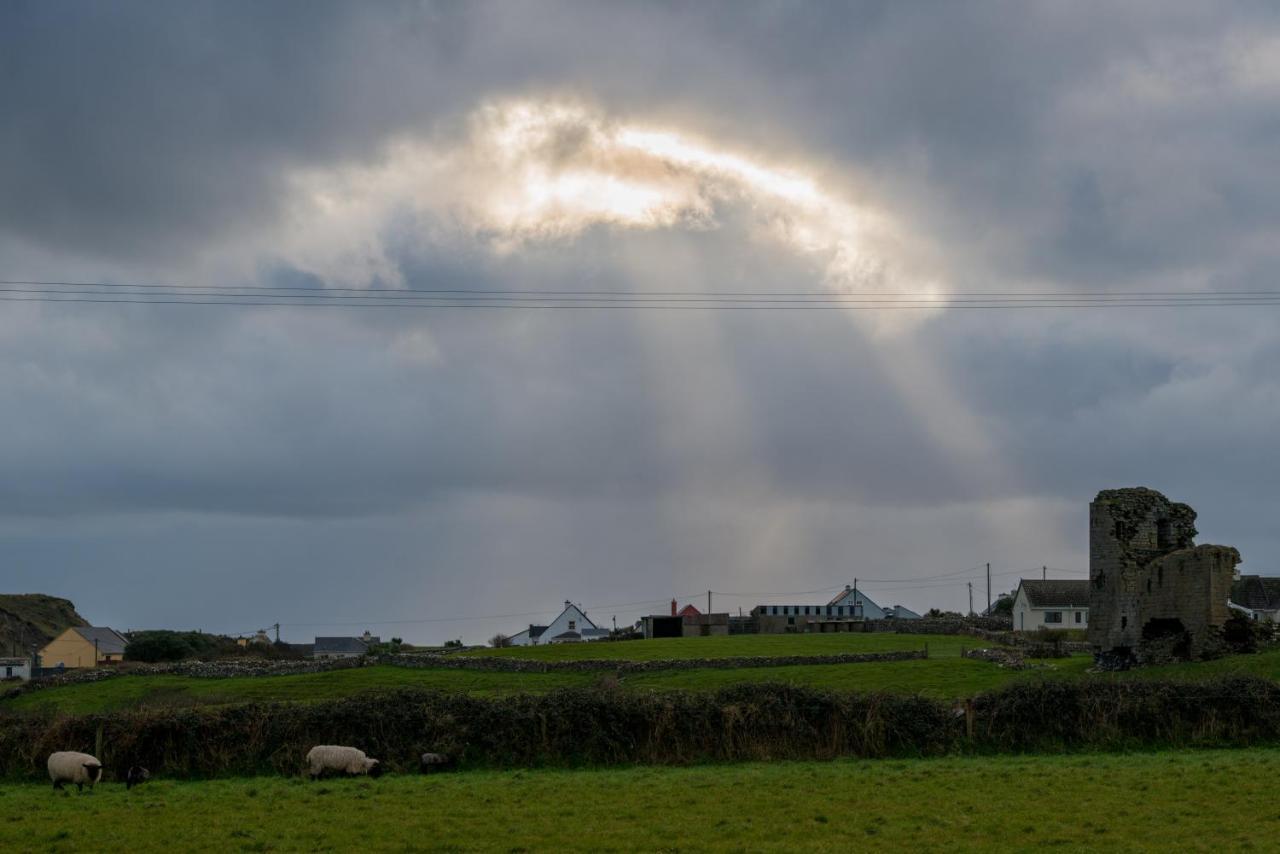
868	610
570	620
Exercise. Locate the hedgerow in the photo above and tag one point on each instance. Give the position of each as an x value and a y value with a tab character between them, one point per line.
604	726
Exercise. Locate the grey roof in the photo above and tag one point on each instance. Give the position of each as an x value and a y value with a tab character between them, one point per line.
343	645
1256	592
1056	593
109	641
568	636
536	631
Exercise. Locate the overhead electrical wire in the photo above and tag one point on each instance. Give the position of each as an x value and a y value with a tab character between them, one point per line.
45	291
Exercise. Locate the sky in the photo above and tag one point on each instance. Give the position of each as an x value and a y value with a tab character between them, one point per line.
435	473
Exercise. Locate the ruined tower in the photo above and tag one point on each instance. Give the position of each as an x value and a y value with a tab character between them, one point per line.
1148	580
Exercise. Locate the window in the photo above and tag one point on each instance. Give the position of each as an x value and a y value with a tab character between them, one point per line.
775	610
8	671
840	611
1078	615
573	624
1053	616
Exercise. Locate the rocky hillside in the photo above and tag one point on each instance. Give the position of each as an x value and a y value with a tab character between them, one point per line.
31	619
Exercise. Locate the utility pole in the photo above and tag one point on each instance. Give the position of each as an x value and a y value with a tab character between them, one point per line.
970	583
277	633
988	588
708	601
1044	573
615	623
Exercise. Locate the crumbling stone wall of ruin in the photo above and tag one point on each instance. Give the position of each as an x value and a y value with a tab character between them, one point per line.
1147	576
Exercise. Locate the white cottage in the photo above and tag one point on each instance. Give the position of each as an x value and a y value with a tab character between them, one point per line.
572	626
15	668
1050	605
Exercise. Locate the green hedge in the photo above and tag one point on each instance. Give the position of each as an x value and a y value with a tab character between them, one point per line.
603	726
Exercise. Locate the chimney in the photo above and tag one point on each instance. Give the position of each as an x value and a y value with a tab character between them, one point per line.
366	637
673	607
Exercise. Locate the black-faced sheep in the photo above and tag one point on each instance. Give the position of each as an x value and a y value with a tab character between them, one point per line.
136	776
344	760
434	763
68	766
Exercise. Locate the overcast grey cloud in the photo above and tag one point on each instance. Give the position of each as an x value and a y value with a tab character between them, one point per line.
226	467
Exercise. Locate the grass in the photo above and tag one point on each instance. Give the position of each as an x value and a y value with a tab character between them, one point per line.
127	691
943	675
1187	801
731	646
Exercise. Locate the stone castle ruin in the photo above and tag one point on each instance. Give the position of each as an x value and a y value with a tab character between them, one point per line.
1153	593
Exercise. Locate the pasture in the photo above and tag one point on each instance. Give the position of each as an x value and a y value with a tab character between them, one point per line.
1188	800
943	676
733	646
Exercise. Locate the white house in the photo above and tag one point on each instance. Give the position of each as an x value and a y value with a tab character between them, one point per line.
572	626
1050	605
15	668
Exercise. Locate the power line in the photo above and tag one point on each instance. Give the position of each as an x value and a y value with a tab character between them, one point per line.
496	299
633	293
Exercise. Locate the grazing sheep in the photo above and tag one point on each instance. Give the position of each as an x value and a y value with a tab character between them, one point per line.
344	760
433	763
136	776
68	766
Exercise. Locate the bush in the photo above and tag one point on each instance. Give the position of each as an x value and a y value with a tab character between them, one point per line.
160	645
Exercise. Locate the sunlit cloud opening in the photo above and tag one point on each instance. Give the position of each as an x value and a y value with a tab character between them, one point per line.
530	171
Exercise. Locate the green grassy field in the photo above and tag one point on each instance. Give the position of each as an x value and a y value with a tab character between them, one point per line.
732	646
939	676
1192	801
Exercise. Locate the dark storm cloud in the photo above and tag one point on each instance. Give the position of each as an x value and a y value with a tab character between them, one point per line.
508	458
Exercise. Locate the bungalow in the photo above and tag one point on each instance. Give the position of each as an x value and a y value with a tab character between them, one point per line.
1050	605
15	668
849	605
341	647
84	646
572	626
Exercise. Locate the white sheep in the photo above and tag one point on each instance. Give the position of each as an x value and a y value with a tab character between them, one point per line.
344	760
68	766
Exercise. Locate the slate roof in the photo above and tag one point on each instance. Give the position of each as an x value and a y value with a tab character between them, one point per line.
349	646
535	632
110	642
1056	593
1256	592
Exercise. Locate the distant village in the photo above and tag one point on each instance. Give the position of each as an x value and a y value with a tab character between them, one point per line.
1150	587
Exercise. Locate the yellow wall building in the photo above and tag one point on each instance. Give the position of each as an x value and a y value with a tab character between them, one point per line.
84	646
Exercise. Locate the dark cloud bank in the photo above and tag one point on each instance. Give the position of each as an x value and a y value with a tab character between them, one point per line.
226	468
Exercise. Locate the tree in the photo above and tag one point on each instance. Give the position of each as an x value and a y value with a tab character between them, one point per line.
1003	606
499	641
453	644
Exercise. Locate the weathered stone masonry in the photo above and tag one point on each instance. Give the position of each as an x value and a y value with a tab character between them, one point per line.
1148	580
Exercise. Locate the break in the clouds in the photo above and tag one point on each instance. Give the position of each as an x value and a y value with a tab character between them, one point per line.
226	467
